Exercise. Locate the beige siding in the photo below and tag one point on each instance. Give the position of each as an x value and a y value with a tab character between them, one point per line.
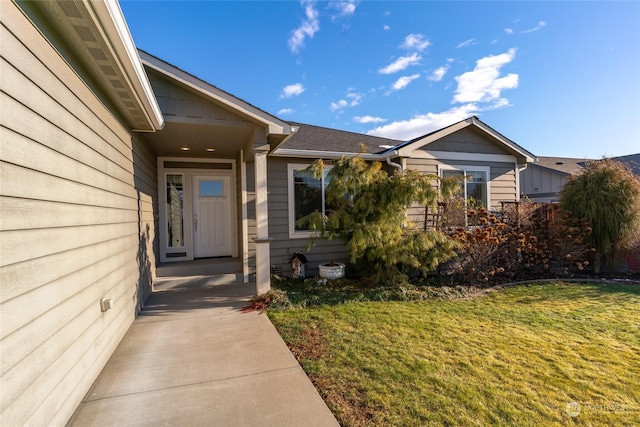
78	204
282	245
502	184
465	141
177	101
416	214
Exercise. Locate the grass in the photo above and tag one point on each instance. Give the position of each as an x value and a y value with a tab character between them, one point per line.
513	357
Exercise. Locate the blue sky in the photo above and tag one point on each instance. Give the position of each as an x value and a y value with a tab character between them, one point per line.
560	78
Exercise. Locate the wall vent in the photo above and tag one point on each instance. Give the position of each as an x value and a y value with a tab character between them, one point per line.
70	9
85	33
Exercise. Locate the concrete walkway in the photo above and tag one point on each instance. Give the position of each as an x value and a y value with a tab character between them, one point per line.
193	358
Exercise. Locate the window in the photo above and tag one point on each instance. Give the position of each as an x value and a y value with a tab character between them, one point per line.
475	183
175	211
306	195
211	188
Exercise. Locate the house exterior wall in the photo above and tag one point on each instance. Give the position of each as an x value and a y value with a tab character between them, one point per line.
464	141
542	184
78	212
178	101
282	245
502	185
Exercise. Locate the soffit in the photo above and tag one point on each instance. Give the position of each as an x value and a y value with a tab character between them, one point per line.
80	28
226	141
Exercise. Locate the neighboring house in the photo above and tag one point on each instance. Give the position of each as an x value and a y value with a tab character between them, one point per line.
113	162
543	180
631	160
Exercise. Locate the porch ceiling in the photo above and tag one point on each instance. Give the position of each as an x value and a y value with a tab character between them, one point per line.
227	141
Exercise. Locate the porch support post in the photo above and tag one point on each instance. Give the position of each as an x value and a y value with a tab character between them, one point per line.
262	240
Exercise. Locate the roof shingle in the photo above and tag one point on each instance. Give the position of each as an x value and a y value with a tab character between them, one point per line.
316	138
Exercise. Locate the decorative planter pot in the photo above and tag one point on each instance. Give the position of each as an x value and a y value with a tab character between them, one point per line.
331	272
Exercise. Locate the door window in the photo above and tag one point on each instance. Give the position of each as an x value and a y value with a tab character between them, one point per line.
211	189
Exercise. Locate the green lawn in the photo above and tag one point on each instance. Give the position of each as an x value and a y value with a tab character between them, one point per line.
513	357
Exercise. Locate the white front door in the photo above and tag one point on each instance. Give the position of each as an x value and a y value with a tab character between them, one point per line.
212	230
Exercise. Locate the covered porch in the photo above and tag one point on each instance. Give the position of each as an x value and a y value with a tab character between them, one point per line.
212	178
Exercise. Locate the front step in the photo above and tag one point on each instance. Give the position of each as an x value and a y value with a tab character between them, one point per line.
193	282
201	267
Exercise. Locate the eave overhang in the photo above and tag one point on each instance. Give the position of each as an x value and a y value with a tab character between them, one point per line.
276	130
523	156
309	154
99	38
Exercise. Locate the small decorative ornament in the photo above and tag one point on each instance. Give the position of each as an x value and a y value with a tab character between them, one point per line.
298	260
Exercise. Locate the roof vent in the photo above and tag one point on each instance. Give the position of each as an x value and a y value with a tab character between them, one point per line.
559	163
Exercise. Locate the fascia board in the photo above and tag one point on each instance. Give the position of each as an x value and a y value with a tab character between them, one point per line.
110	21
407	150
530	158
308	154
274	125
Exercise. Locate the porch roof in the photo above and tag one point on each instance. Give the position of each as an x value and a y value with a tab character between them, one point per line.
251	126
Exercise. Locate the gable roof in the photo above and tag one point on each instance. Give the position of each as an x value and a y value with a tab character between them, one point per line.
217	95
523	155
310	140
563	165
572	166
631	160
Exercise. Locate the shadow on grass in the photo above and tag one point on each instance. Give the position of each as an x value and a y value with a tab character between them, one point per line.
294	293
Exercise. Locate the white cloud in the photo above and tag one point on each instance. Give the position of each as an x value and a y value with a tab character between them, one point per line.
386	28
415	42
405	130
338	105
483	84
478	90
292	90
438	73
344	8
309	26
352	99
285	111
355	98
368	119
403	82
508	30
466	43
540	25
401	63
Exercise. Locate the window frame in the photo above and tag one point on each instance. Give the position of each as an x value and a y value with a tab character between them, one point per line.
468	168
291	167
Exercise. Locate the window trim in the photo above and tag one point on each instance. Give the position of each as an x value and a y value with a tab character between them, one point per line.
293	233
469	168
